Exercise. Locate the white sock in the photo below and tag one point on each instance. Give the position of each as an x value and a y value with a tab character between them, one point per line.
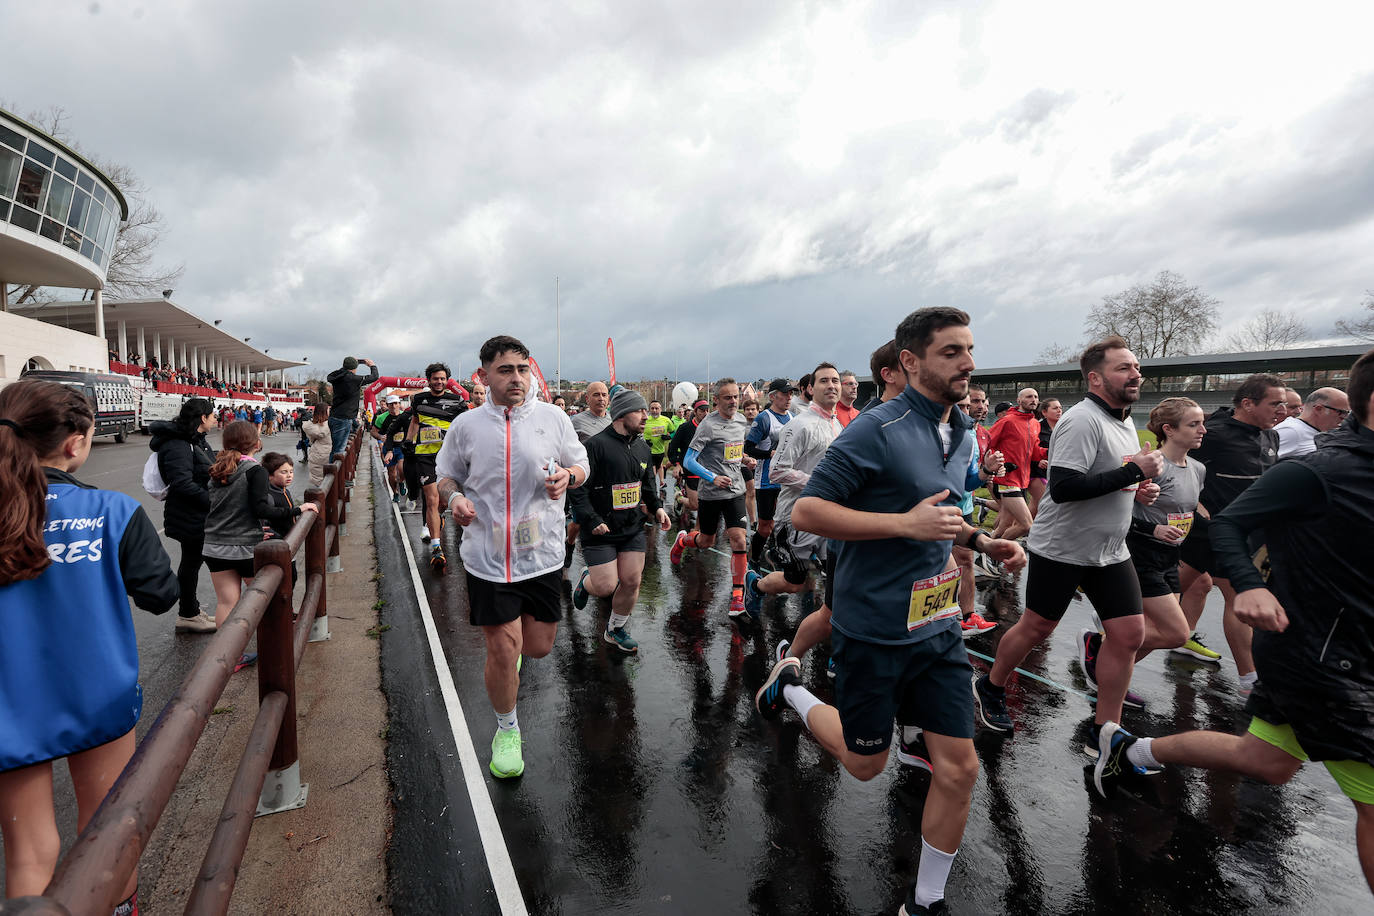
507	720
617	621
1249	680
802	700
1139	754
910	733
934	872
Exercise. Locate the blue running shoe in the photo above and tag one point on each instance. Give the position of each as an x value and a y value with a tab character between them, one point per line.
1112	743
753	598
769	699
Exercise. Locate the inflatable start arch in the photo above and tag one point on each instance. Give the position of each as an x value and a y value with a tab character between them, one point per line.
410	384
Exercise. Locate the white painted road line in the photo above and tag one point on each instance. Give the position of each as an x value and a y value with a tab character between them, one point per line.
488	827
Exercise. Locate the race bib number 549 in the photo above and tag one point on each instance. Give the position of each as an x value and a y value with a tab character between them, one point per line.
933	599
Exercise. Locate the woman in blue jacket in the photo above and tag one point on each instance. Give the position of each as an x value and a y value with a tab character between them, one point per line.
69	659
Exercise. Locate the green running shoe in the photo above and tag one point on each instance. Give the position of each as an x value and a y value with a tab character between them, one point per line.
1194	648
506	761
621	639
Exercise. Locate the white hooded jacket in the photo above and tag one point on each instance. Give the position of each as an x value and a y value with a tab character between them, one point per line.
498	458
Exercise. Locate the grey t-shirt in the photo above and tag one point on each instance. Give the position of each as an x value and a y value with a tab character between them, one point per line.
720	449
801	446
1089	532
587	424
1178	492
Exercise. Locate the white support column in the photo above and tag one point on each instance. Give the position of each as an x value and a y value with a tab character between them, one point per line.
171	355
181	362
123	341
142	346
157	346
99	315
195	351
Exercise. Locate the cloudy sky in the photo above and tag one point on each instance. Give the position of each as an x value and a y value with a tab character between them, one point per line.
766	184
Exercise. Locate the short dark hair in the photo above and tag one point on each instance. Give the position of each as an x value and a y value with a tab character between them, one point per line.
885	357
1254	387
273	460
1361	386
918	329
804	383
821	366
501	343
1096	354
975	387
656	401
437	367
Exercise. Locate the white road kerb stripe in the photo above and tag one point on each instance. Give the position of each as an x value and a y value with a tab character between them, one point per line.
488	828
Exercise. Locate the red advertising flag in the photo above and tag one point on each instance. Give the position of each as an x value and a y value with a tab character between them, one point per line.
539	377
610	359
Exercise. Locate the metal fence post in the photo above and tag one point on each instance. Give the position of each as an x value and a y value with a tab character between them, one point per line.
332	520
282	790
316	559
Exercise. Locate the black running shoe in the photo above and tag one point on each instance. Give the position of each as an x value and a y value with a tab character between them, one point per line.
991	705
913	753
911	908
769	699
1089	644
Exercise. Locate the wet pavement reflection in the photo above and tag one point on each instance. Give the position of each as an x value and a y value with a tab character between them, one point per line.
652	785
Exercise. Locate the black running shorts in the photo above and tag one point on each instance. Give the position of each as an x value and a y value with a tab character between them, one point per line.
1050	585
494	603
598	550
1197	547
1156	565
711	511
425	470
924	683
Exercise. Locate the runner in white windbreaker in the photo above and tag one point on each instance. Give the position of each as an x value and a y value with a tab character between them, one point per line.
504	470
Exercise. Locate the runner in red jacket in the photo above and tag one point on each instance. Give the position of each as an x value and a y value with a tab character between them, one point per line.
1017	437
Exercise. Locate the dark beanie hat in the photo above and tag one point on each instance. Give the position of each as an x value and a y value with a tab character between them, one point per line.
626	400
350	363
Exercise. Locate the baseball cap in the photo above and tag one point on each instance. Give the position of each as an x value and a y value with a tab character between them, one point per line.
781	384
393	399
1003	405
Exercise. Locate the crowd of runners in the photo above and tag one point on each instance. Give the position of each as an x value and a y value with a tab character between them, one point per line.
873	508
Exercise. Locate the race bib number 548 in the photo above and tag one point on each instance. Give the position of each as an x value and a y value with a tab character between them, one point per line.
933	599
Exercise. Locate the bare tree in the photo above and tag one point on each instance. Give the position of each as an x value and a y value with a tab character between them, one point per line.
1055	354
1271	329
131	272
1164	318
1360	328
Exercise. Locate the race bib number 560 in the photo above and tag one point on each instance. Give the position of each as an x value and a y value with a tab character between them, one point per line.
933	599
625	495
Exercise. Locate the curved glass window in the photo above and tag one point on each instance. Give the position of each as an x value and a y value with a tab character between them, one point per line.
41	153
9	172
12	138
25	219
80	204
59	199
65	169
33	183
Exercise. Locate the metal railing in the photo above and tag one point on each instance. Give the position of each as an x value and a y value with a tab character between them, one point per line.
90	880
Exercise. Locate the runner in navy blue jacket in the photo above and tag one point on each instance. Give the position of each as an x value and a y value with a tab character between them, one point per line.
890	487
69	659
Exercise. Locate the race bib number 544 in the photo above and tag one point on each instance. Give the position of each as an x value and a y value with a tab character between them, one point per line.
734	451
933	599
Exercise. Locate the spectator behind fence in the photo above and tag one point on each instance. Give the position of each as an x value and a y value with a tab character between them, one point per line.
281	473
343	409
69	656
239	501
184	457
317	431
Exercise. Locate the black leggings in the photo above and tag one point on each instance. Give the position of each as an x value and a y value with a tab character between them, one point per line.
188	575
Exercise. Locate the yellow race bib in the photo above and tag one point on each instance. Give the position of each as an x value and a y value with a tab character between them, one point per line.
933	599
1183	521
430	434
734	451
625	495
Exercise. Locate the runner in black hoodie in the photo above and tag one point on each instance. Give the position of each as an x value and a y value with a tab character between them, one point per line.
610	509
1240	444
1314	621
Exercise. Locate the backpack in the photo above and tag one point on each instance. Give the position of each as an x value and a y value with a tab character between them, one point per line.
152	479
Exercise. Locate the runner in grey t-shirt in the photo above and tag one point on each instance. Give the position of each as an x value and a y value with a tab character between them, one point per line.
716	455
1096	469
1158	530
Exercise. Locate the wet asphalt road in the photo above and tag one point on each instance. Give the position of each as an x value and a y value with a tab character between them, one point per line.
653	786
165	657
